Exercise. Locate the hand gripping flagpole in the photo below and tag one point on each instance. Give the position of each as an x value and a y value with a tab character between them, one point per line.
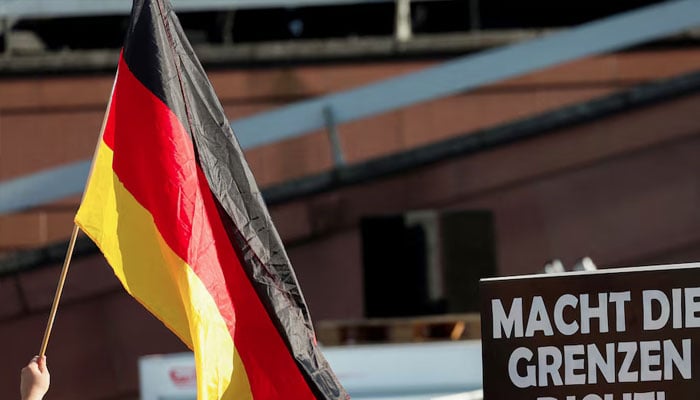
73	237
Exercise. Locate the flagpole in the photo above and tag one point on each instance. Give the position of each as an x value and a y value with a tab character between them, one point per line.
59	290
73	237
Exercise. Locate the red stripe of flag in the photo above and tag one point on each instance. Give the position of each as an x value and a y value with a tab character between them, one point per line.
154	159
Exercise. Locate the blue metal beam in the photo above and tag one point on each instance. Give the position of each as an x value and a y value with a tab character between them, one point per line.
43	187
470	72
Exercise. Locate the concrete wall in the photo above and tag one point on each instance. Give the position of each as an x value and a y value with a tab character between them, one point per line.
623	190
48	121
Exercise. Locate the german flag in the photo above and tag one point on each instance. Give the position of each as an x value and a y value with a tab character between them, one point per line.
174	208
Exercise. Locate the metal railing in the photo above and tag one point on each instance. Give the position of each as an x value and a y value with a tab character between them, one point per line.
77	8
12	11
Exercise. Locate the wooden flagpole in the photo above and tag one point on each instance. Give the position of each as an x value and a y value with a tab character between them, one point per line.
73	237
59	290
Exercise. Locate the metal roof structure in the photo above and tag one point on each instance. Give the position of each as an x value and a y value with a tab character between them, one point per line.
460	75
473	142
78	8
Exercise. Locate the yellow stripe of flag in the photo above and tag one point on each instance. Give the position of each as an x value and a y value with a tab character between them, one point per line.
159	279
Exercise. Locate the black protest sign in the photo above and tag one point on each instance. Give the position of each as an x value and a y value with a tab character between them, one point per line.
623	334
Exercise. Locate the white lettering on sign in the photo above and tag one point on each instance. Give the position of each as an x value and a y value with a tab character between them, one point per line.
513	324
625	396
588	342
539	319
566	328
657	309
578	364
510	322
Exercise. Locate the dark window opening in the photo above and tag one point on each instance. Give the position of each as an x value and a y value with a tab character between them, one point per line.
426	262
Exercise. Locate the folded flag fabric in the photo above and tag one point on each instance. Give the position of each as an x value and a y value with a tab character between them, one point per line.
173	206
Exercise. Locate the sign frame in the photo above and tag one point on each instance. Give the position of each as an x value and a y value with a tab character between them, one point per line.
547	337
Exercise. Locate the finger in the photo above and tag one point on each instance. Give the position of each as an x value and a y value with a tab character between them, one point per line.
42	363
33	360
